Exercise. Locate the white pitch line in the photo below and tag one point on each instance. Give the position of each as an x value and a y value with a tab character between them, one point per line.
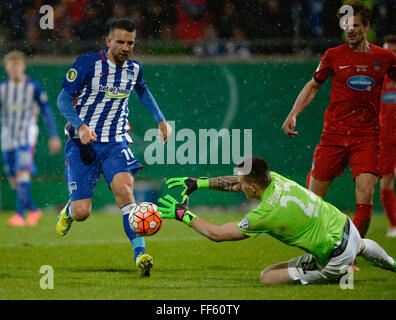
59	242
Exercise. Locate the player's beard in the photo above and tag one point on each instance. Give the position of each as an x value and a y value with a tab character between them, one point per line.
357	39
119	57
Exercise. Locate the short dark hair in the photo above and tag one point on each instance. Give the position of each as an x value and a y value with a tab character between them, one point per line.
259	173
390	38
123	24
359	8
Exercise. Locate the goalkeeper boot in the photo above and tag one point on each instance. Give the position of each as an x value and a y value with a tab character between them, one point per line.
144	263
64	221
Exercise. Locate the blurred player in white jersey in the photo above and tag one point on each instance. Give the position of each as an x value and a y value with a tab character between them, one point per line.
94	100
21	100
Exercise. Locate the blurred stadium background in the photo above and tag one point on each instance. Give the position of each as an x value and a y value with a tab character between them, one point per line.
234	64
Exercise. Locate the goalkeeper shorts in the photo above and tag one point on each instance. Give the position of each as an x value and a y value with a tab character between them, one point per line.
307	270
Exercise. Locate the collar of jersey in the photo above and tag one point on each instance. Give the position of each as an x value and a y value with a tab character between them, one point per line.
22	82
104	58
267	190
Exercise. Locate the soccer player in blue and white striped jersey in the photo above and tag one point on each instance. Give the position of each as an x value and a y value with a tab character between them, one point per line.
21	100
94	100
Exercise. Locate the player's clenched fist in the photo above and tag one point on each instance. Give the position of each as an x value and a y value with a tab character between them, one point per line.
87	135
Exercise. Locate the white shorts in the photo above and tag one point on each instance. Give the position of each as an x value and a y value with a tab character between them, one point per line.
307	269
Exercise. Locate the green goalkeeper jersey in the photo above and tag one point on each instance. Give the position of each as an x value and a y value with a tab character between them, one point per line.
297	217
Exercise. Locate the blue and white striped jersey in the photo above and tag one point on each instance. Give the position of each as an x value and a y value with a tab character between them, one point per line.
20	106
101	91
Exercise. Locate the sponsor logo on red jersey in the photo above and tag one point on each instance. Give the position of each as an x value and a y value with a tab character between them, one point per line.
361	83
389	97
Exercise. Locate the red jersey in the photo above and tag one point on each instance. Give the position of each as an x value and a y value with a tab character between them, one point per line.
357	79
388	108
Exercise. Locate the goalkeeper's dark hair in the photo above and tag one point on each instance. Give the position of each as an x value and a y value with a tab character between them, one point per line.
359	9
121	23
259	172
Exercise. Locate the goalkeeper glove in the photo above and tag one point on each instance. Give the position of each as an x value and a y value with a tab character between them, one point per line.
190	184
175	210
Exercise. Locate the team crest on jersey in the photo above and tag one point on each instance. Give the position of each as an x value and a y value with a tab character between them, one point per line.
71	75
244	224
360	68
377	66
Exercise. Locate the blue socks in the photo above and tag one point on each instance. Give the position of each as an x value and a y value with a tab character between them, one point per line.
138	243
24	198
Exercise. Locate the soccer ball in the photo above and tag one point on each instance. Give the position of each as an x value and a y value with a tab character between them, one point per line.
144	219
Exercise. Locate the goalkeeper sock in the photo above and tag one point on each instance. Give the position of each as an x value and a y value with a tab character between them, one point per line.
388	202
362	217
375	254
137	242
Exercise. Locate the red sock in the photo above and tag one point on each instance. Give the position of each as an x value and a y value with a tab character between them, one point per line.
388	202
362	217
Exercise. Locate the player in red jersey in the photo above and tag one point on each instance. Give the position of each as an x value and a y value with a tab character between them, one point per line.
387	142
351	121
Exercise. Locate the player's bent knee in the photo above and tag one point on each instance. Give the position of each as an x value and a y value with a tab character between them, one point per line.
365	194
80	212
80	215
123	190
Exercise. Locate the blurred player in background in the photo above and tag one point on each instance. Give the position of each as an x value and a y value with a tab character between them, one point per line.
21	100
94	100
351	121
289	213
388	144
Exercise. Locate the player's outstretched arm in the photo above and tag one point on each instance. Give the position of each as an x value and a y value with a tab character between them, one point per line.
179	211
225	183
303	100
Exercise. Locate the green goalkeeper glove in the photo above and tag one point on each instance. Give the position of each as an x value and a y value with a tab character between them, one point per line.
176	210
190	184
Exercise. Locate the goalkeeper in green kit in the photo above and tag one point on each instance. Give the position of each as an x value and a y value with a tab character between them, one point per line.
289	213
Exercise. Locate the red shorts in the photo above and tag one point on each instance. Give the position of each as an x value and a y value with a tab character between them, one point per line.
387	155
334	152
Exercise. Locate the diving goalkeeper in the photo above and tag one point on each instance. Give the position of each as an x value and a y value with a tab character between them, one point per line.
289	213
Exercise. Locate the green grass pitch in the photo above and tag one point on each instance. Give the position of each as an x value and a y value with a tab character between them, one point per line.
94	261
